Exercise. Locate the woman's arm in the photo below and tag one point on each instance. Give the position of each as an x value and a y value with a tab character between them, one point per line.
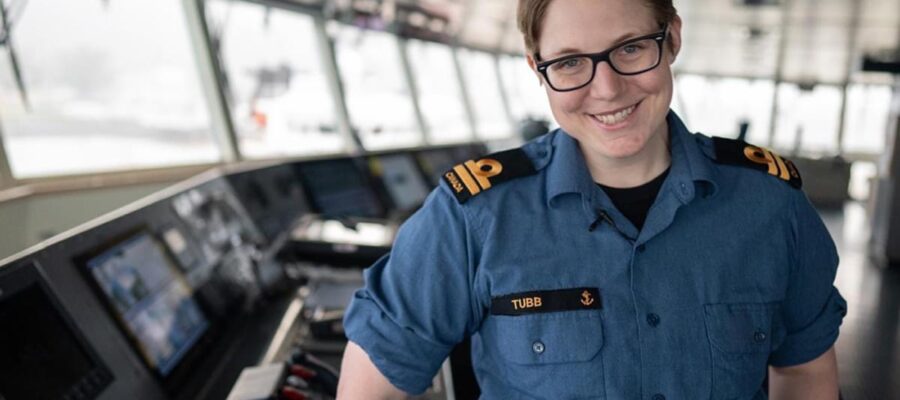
360	379
817	379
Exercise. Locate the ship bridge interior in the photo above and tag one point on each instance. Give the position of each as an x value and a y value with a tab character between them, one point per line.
190	190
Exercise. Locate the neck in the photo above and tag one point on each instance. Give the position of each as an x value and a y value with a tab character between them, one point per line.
634	170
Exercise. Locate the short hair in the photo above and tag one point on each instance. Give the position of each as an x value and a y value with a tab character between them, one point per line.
531	13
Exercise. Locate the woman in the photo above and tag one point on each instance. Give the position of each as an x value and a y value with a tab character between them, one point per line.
619	257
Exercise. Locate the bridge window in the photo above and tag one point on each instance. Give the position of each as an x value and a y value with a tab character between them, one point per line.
808	119
717	106
109	86
275	85
375	89
527	98
480	76
868	113
440	95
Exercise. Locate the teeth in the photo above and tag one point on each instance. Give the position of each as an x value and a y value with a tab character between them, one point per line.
615	118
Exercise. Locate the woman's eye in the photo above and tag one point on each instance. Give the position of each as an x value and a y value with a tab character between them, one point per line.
568	64
632	48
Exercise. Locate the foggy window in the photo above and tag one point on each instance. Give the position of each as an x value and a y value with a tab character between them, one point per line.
718	106
110	85
480	76
440	96
868	112
808	120
276	86
375	89
527	98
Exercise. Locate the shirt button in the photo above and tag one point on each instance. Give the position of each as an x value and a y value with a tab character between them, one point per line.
537	347
659	397
684	189
759	337
652	319
641	248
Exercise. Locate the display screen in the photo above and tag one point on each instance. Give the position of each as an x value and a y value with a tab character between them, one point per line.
212	218
150	299
272	197
40	355
332	231
338	189
402	180
178	244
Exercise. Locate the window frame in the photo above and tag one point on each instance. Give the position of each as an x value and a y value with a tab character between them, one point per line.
223	132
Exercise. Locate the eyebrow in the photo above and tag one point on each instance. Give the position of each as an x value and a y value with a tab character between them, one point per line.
569	50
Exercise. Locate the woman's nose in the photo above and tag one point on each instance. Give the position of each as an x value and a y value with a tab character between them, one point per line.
607	83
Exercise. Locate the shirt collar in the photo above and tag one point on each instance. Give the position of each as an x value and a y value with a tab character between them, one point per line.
688	155
568	172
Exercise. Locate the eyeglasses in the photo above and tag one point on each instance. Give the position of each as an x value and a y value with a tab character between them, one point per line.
632	57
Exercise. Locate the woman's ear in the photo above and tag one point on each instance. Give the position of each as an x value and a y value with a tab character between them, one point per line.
533	65
674	44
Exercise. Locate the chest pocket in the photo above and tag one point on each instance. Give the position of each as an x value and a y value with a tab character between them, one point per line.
741	338
552	355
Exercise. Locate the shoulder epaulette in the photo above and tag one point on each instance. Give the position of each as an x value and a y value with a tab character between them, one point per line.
474	177
736	152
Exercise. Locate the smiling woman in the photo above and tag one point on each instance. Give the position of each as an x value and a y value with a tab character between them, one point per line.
620	256
620	113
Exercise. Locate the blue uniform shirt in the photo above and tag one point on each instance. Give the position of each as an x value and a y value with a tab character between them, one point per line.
732	271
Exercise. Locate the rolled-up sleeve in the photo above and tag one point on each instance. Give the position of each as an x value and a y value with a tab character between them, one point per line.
417	302
813	308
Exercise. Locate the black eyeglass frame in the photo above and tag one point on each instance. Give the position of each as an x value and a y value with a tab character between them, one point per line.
659	37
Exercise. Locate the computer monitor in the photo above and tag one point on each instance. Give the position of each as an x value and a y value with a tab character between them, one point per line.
402	180
211	215
189	259
256	202
42	354
272	197
338	188
149	298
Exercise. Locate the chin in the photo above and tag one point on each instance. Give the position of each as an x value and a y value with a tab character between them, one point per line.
620	153
623	148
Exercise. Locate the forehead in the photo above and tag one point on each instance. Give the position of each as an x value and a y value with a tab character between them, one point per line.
585	26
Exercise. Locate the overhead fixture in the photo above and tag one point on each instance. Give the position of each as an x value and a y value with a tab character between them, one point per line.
806	85
884	61
404	18
415	21
757	3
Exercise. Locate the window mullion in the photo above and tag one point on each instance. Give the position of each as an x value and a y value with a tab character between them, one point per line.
464	92
6	176
504	98
353	144
210	73
413	88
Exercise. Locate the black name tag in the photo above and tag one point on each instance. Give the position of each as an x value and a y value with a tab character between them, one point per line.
547	301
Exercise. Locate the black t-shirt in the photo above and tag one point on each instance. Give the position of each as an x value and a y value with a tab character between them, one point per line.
635	202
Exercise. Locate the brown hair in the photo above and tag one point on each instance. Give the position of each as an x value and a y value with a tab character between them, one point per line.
531	13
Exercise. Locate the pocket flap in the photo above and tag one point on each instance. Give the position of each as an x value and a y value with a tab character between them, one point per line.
744	328
560	337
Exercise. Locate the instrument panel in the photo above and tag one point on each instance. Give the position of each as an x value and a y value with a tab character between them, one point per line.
171	296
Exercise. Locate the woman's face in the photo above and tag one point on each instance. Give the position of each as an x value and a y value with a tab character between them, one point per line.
597	115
